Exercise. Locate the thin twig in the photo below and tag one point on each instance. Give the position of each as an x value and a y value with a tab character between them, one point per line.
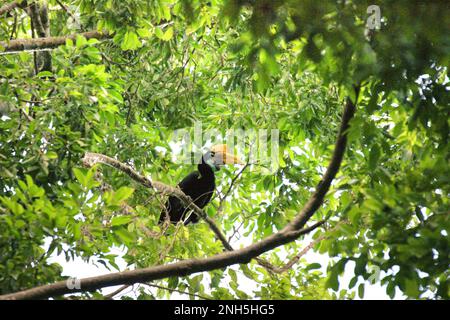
111	295
175	290
66	9
297	257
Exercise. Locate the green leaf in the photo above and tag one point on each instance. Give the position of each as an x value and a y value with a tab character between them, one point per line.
354	214
390	289
69	42
80	41
219	101
374	156
52	155
130	41
313	266
360	265
120	220
166	35
361	291
124	235
44	74
233	275
372	105
412	288
333	280
353	282
247	272
82	179
116	96
122	194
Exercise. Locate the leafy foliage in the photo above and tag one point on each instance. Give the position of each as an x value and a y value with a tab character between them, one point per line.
233	64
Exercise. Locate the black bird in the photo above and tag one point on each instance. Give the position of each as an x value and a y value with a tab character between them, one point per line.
198	185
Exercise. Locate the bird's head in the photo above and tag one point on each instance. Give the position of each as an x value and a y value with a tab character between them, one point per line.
219	155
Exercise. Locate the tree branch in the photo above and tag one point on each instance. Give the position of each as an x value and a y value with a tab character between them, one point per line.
322	188
34	13
39	21
186	267
230	188
297	257
111	295
177	291
66	9
48	42
92	158
9	6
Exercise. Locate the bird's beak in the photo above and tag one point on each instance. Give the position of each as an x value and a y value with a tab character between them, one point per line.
229	158
222	156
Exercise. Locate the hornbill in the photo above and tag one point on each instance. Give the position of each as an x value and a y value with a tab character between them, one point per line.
198	185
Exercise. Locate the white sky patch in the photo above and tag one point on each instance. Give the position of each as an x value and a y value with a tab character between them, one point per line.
161	150
79	269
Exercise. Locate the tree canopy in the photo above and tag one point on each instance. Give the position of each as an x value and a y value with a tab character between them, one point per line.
119	78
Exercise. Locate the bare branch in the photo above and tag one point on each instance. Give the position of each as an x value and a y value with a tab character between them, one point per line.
177	291
48	42
116	292
9	6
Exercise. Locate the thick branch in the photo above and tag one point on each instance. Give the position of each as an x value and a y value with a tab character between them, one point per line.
9	6
182	268
186	267
48	42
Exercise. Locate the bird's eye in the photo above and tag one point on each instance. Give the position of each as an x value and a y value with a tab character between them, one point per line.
212	153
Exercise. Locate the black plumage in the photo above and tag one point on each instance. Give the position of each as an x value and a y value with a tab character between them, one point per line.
199	186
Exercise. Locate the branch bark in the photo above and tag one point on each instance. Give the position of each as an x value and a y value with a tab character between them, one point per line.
9	6
39	21
186	267
48	42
